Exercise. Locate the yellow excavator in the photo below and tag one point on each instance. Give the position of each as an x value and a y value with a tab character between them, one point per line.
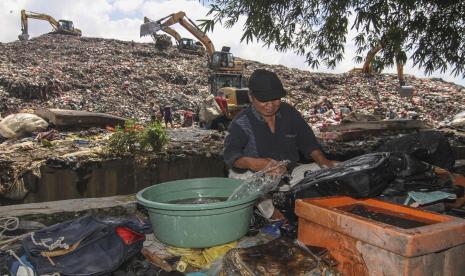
221	61
226	77
184	44
368	68
61	26
368	65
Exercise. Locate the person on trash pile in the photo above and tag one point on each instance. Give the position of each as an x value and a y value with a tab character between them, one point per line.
269	130
155	115
168	116
188	118
222	102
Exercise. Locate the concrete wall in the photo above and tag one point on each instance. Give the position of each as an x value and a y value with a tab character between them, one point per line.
116	177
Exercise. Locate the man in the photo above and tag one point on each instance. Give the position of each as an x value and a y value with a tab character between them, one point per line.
222	102
188	118
168	116
269	130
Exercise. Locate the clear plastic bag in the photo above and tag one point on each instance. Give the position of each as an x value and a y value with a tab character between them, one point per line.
261	182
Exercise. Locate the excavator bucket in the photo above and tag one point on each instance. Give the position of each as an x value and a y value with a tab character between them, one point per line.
23	37
149	28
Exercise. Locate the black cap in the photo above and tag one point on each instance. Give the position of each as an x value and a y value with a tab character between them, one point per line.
265	86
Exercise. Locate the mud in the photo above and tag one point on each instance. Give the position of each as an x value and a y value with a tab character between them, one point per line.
278	257
393	219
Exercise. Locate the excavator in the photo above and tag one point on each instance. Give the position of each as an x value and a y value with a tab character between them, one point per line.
227	71
184	44
61	26
369	68
220	61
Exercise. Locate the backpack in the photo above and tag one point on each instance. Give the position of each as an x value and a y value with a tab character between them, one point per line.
84	246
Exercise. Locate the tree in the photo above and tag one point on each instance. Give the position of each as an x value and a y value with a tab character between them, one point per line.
431	30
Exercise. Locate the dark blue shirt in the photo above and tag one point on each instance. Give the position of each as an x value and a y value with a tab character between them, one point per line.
250	136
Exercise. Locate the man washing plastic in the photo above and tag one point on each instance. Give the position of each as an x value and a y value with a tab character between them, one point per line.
269	130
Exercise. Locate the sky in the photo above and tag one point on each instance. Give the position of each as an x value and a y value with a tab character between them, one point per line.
121	19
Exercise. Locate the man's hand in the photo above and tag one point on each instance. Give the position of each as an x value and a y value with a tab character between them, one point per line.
275	168
321	160
328	163
258	164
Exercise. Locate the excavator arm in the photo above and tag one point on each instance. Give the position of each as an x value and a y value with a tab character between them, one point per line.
166	29
180	17
62	26
173	33
368	65
221	61
26	15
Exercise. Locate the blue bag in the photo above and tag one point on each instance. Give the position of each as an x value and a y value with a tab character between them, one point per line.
84	246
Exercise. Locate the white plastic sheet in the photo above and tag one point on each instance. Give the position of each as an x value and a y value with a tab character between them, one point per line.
20	124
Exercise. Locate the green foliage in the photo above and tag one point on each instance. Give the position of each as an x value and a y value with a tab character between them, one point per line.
153	137
431	30
134	138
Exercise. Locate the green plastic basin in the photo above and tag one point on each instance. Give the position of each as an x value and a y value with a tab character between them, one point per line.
197	225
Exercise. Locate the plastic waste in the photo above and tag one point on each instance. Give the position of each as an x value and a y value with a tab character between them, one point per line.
458	120
22	267
209	110
261	182
20	124
278	257
266	208
298	173
273	229
422	198
199	258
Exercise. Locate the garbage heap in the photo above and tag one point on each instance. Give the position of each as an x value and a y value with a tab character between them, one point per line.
130	79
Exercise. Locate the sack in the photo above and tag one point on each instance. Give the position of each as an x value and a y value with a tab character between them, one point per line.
85	246
20	124
209	110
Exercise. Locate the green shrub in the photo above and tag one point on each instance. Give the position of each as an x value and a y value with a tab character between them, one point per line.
153	137
134	138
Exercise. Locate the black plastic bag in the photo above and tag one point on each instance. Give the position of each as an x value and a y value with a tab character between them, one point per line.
364	176
428	146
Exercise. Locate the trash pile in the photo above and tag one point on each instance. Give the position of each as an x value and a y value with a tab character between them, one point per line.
99	75
130	79
97	244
